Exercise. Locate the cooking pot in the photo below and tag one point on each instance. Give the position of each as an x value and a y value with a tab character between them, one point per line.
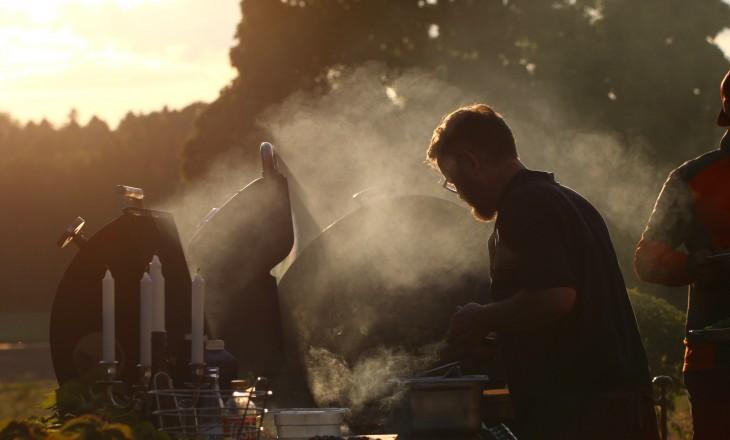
444	404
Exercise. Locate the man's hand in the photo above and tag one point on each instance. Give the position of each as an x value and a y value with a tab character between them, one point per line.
523	311
467	323
466	333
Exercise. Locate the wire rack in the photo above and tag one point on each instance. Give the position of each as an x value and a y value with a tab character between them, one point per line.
210	414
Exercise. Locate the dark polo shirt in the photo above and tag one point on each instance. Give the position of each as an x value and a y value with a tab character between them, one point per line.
547	235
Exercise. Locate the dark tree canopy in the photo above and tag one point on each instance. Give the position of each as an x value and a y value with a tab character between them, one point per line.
645	70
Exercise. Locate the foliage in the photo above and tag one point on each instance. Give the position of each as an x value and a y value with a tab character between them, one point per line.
49	175
85	427
77	415
662	331
623	66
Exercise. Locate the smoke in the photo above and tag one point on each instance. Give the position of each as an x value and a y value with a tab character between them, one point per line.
370	131
333	381
618	179
194	201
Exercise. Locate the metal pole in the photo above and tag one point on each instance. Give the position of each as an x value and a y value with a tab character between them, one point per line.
663	382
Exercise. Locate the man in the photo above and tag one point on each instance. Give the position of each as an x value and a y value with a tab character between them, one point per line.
690	222
566	332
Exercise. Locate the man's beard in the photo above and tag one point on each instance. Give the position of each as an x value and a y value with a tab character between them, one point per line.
483	215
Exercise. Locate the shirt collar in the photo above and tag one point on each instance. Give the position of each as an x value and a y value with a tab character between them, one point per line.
522	176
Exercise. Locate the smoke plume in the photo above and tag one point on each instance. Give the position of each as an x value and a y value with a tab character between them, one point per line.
370	131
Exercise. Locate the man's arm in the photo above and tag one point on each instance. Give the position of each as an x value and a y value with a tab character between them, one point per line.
657	259
522	311
532	252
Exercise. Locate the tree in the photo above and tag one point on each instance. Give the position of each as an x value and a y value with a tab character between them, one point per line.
623	66
51	175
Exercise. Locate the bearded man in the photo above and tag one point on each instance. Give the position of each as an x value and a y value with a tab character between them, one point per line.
566	332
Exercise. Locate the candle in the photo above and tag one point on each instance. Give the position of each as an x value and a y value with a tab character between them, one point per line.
146	293
107	306
196	328
158	302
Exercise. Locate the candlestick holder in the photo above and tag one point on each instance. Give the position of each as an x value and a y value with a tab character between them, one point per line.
197	375
140	398
108	390
109	371
144	376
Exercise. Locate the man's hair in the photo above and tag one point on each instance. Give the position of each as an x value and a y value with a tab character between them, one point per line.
476	128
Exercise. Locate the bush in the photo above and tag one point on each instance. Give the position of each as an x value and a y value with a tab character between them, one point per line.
662	331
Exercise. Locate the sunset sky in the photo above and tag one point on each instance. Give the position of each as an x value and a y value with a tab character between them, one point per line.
106	57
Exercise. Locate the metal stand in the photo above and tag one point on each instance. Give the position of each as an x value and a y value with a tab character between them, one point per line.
663	382
109	390
199	411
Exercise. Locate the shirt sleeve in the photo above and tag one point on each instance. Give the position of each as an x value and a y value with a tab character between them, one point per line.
657	259
534	240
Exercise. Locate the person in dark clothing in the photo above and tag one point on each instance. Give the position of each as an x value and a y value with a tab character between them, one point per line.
566	332
690	223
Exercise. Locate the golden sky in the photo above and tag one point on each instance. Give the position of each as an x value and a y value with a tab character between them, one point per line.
106	57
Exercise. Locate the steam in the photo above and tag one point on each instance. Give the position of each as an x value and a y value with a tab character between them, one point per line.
367	133
333	381
191	206
370	131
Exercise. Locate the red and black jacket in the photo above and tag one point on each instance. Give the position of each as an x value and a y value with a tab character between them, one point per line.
692	213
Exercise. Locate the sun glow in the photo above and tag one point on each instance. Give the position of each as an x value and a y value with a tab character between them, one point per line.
106	57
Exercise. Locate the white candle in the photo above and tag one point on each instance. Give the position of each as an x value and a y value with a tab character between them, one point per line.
145	319
197	312
158	286
107	306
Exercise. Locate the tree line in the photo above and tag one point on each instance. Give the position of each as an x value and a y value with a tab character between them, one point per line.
49	175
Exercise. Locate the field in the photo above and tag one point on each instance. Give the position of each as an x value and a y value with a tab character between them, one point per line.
26	372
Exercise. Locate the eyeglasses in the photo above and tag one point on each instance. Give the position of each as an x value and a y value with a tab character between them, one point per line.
448	186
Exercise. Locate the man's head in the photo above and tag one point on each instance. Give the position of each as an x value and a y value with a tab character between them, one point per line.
723	119
474	149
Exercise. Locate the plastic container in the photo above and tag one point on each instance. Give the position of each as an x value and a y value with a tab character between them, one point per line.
305	423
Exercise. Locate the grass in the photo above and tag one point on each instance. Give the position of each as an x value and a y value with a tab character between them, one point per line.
25	398
680	420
